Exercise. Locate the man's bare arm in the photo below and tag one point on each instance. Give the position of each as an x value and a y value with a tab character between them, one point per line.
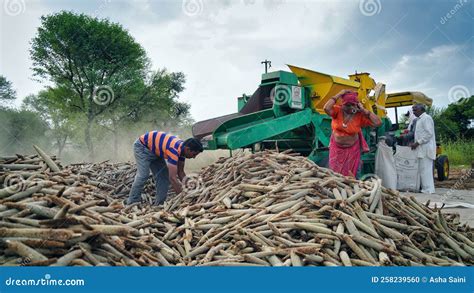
181	173
173	177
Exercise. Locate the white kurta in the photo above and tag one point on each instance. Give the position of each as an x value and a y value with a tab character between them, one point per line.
426	151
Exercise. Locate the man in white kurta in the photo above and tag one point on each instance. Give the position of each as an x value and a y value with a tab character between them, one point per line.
425	145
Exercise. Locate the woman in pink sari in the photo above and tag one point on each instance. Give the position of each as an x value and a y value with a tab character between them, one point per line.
347	140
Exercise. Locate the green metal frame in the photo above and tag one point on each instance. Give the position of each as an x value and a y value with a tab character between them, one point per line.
247	130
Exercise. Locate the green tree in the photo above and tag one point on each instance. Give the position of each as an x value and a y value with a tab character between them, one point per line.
453	122
20	130
154	97
94	58
461	114
49	104
7	93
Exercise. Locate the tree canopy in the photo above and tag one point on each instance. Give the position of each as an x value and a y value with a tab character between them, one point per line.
7	93
455	121
101	74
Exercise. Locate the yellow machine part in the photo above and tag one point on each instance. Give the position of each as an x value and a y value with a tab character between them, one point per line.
407	99
325	86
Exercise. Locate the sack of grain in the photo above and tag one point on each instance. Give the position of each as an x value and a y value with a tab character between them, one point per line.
385	165
406	164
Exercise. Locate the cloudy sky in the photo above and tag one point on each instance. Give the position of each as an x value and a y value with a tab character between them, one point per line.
425	46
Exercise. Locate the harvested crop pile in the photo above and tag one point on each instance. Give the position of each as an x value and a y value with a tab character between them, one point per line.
257	209
55	217
118	177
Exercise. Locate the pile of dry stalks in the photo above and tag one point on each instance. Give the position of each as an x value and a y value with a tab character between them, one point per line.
262	209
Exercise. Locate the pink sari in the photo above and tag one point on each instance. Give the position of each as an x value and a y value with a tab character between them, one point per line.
346	160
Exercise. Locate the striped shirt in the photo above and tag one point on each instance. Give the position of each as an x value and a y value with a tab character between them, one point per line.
164	145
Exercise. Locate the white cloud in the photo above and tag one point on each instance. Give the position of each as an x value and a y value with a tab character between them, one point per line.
221	47
220	50
433	72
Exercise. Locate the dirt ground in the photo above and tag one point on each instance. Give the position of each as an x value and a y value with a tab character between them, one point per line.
455	201
458	178
457	194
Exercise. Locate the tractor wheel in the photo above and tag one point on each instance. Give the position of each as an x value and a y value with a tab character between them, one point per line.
442	167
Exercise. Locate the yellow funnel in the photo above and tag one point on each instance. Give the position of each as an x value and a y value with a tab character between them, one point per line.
324	86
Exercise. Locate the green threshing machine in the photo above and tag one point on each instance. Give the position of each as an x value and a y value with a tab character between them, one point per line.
286	112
